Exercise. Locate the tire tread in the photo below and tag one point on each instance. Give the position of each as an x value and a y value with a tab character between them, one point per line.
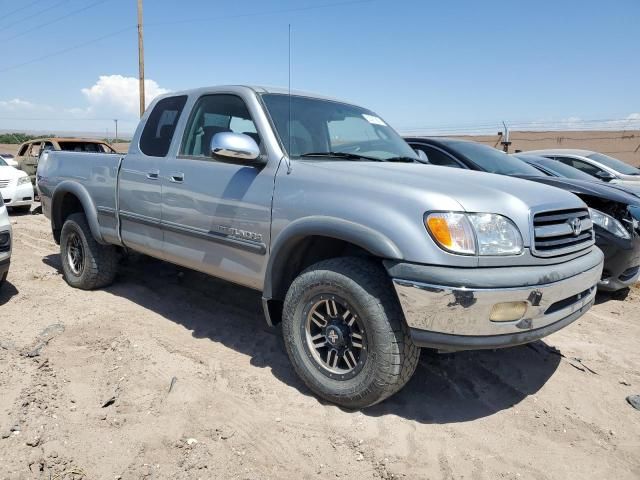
398	357
101	261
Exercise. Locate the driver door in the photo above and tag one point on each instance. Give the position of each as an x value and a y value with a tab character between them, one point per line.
216	216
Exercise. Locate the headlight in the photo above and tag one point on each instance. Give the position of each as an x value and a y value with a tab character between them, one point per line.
23	180
5	239
609	223
474	233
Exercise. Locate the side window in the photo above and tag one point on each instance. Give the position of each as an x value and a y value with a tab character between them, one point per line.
23	150
438	157
161	125
35	149
215	114
47	146
580	165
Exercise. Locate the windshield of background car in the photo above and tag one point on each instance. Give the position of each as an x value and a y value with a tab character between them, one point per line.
561	169
614	163
494	161
317	125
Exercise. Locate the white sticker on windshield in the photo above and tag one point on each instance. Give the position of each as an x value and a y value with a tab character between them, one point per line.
372	119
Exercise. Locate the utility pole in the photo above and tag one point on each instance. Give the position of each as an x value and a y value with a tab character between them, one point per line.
141	58
116	122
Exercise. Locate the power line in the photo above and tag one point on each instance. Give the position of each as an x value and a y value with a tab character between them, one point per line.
21	8
49	22
257	14
131	27
68	49
19	21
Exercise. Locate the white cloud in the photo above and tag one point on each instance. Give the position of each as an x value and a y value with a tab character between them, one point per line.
119	95
16	104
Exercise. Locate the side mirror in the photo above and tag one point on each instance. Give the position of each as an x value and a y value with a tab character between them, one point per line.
604	176
422	156
235	148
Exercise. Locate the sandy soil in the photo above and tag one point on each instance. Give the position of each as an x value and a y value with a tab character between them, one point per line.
170	374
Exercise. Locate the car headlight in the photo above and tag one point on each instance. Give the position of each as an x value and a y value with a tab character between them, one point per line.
609	223
5	239
23	180
474	233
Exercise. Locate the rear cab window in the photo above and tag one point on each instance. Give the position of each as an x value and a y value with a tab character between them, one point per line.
161	126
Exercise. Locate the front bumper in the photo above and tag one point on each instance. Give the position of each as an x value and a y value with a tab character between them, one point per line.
456	315
621	261
17	195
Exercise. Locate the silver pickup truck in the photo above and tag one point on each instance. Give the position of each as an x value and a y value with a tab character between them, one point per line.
361	253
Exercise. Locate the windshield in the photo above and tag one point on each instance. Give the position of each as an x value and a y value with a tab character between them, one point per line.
494	161
614	163
323	126
560	169
3	163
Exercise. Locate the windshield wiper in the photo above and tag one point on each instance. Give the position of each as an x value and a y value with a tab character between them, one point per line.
401	159
343	155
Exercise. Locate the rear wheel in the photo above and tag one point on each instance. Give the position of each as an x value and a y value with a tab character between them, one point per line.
345	335
86	264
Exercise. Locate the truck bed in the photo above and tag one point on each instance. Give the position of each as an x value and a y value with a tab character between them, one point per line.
96	173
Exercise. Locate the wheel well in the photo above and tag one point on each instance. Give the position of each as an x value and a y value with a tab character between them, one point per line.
297	258
67	205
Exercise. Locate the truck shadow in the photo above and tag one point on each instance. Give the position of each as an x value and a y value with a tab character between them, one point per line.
7	291
446	388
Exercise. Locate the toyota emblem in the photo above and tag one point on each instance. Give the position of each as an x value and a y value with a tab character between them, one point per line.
576	226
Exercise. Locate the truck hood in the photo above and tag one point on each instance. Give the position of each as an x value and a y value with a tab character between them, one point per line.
594	189
441	188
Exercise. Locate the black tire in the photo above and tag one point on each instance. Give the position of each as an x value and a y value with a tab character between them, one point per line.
99	262
22	209
390	357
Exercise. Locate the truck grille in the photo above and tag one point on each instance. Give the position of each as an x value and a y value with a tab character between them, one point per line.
4	183
562	232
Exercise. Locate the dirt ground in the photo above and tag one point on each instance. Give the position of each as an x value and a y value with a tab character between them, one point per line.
171	374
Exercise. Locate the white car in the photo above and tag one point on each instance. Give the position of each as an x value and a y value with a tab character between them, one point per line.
9	159
596	164
5	243
15	187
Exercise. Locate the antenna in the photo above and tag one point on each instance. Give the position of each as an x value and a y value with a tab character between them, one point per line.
290	114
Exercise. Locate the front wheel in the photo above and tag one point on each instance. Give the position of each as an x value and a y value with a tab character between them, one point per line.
345	335
86	264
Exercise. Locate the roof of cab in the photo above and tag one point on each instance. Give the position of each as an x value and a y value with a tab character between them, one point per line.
65	139
259	89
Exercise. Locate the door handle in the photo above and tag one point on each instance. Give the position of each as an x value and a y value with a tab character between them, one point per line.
153	174
176	177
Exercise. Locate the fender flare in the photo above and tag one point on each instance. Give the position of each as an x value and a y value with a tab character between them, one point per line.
364	237
90	210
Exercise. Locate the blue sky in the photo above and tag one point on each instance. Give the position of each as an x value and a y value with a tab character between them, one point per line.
444	65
